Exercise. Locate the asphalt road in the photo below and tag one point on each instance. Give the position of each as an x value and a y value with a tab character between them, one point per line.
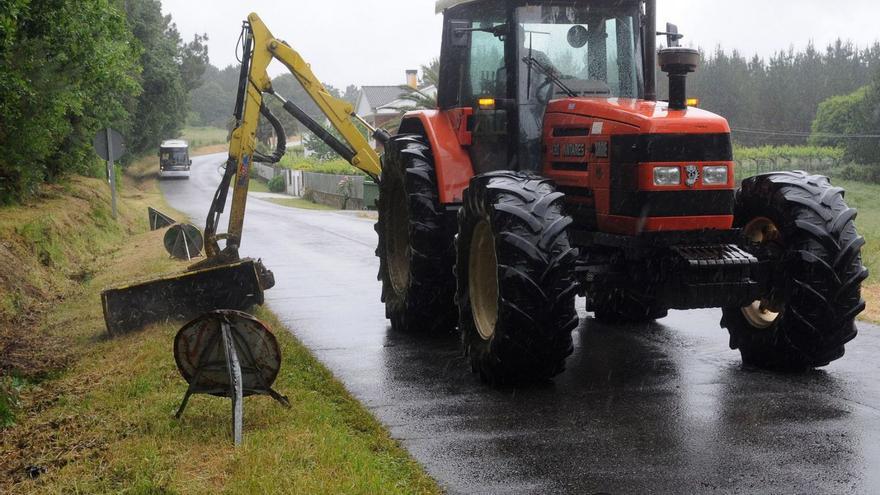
661	408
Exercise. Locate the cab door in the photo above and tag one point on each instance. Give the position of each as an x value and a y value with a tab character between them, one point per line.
473	83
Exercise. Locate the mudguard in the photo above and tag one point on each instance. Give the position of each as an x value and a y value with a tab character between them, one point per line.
448	136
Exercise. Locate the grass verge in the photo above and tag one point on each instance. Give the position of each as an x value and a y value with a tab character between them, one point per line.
257	184
300	203
101	419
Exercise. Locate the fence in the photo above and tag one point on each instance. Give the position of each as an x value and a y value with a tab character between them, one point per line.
324	188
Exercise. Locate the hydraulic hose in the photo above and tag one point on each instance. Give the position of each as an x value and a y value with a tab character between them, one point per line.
278	127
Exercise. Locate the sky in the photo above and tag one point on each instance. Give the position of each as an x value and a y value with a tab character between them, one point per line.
373	42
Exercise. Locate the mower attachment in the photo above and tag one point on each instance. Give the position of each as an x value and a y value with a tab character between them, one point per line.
235	286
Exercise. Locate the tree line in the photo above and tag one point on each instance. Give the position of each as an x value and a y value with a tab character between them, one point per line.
771	101
72	67
776	101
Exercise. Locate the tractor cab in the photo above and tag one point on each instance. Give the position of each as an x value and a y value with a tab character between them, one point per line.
566	89
507	60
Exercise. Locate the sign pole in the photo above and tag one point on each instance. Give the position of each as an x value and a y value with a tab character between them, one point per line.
111	169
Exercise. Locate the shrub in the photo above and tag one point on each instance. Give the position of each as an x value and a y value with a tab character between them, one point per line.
337	167
840	121
277	184
862	173
788	152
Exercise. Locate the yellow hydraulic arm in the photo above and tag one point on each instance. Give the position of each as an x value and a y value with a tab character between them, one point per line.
260	48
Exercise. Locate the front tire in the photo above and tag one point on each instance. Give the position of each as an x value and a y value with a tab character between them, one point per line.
802	224
515	272
416	239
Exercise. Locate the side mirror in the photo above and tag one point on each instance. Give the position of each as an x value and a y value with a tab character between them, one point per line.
459	34
672	35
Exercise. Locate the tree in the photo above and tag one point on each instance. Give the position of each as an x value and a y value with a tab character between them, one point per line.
351	94
431	72
851	122
69	68
170	70
193	61
319	149
774	101
213	100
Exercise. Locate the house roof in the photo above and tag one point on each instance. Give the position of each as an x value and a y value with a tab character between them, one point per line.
379	96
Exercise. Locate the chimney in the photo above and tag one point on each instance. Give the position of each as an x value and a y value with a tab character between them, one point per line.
412	79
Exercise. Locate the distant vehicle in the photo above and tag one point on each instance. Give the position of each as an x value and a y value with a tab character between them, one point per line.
174	159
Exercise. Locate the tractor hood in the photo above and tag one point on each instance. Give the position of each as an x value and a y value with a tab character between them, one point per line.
649	117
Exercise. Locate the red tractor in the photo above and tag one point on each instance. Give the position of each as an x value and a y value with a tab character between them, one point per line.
550	170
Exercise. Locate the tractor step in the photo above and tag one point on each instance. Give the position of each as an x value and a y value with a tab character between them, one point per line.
715	256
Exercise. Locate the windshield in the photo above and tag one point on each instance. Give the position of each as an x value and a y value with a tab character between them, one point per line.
568	50
593	50
176	155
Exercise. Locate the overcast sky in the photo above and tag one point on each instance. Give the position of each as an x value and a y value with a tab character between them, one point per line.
367	42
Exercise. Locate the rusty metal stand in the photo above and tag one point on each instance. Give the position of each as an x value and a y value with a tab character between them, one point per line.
232	345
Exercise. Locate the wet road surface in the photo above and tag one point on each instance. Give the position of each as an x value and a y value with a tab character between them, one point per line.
660	408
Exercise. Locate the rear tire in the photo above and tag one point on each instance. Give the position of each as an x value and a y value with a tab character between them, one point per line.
804	226
515	272
621	307
416	241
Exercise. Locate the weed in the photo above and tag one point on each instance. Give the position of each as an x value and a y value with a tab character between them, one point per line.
9	390
44	242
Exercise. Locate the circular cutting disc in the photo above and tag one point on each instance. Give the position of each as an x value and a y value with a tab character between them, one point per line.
198	351
184	241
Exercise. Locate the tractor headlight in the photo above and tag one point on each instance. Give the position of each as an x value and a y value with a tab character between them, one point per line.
715	176
667	176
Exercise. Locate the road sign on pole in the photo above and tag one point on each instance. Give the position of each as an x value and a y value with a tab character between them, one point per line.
110	146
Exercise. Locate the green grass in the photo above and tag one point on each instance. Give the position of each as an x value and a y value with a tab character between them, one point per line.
301	204
866	198
258	185
204	136
44	241
7	403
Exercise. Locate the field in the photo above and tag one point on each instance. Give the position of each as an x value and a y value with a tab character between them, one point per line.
866	198
200	137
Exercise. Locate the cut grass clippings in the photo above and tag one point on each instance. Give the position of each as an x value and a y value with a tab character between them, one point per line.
102	420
